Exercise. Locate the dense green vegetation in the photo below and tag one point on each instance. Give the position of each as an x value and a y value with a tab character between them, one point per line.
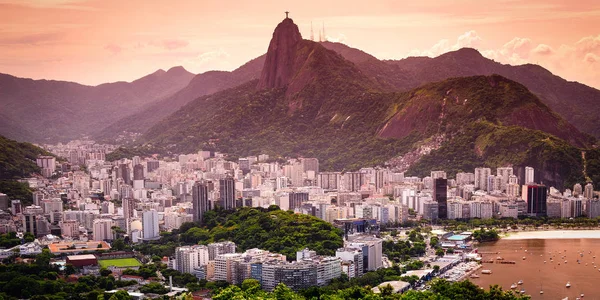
273	229
123	152
440	290
17	191
592	164
483	235
401	251
17	160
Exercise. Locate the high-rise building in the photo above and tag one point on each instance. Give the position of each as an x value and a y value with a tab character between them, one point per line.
296	199
353	255
481	178
353	181
152	165
535	195
329	180
577	190
103	229
440	196
529	175
69	228
150	225
226	267
215	249
438	174
592	208
138	172
503	174
124	173
576	207
588	193
189	258
227	193
296	276
200	201
129	205
310	164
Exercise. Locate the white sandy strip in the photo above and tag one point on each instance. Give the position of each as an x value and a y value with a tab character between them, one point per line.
554	234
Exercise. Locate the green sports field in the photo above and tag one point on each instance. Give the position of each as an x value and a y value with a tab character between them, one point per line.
119	262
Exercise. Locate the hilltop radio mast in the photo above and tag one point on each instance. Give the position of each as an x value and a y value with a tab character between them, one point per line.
324	36
312	35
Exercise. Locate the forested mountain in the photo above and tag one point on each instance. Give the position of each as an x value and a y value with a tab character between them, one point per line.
576	102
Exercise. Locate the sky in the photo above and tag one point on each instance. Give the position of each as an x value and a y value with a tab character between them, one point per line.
93	42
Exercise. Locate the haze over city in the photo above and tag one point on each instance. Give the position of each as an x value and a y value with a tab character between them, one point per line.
93	42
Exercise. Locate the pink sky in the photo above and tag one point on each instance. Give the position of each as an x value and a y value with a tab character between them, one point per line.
93	42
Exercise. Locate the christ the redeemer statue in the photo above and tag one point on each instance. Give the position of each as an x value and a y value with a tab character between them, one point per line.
286	14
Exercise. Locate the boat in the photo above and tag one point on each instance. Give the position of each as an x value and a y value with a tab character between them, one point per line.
568	284
522	291
474	276
520	282
524	258
499	258
486	272
513	286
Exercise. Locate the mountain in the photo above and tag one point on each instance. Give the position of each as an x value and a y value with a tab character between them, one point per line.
202	84
576	102
310	101
18	160
49	111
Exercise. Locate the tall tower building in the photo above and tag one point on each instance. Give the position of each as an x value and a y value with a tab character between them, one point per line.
138	172
588	193
535	195
481	178
504	175
227	192
150	225
529	175
200	200
577	190
440	195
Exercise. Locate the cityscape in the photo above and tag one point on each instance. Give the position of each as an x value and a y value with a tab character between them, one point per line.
153	150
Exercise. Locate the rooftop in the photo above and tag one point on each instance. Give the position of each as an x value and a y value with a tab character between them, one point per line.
81	257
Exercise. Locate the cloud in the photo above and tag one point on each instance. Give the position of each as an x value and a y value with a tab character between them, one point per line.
588	44
114	49
468	39
212	56
32	39
171	44
54	4
340	38
543	49
591	58
517	46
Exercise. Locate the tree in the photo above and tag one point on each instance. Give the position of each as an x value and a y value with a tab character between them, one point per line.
154	288
120	295
439	252
105	272
118	244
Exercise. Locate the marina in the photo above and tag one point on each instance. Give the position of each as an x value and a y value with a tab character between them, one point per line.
553	268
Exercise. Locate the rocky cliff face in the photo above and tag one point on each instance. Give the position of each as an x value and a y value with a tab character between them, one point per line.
279	67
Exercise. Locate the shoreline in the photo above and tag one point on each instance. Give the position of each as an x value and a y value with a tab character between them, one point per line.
553	234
